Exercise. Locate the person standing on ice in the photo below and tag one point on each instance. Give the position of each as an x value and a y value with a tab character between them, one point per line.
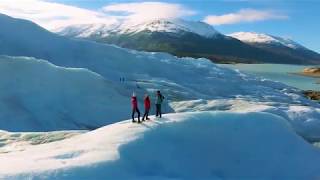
147	104
159	100
134	103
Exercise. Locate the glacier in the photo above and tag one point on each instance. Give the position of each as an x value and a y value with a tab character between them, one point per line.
200	145
39	96
73	98
219	123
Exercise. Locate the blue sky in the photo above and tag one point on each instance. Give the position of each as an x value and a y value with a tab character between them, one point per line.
302	24
295	19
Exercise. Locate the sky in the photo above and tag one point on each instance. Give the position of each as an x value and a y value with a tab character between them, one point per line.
294	19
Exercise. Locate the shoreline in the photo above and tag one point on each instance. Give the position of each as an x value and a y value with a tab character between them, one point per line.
306	74
312	95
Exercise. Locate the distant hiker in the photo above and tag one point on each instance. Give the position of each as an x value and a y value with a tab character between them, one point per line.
135	109
159	100
146	107
137	84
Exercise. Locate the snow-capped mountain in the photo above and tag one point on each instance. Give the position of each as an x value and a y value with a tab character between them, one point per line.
278	45
174	26
177	26
188	38
87	30
260	38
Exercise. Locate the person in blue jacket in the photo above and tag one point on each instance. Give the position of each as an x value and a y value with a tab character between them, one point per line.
159	100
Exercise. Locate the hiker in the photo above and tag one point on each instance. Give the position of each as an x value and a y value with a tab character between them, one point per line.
159	100
135	109
146	107
137	84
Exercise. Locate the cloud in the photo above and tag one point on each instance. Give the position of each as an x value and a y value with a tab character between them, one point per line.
148	10
52	15
244	15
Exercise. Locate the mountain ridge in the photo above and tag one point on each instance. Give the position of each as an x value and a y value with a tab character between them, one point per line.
188	39
253	37
277	45
127	27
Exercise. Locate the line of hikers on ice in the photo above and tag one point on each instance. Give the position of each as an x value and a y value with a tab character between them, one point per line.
147	106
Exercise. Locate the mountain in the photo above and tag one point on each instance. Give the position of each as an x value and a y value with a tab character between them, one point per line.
177	26
184	39
259	38
277	45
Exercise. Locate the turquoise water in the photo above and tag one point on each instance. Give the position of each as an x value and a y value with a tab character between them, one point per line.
281	73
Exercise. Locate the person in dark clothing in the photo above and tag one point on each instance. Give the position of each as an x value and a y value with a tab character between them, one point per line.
135	108
159	100
147	104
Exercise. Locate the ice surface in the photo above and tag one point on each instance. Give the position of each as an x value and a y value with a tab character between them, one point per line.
202	145
76	86
39	96
196	80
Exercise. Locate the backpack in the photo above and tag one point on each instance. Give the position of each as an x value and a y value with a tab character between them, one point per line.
161	98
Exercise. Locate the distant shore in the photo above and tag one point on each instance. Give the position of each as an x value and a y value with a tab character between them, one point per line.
313	95
315	73
310	72
307	74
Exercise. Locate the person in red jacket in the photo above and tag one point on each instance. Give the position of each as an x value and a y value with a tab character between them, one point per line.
134	103
147	105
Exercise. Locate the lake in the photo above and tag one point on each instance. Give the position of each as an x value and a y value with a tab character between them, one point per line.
279	72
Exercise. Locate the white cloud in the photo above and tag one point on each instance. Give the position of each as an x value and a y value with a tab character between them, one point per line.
148	10
244	15
52	15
